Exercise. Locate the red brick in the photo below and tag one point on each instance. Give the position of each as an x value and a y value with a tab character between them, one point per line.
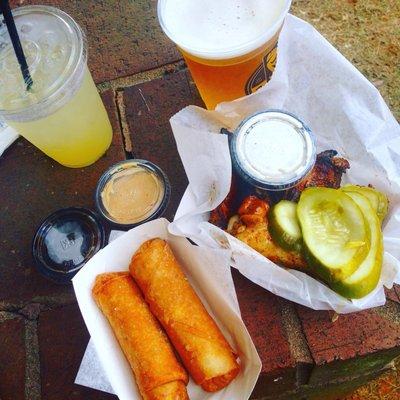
62	341
261	313
397	290
148	108
358	343
33	186
12	359
363	332
335	391
124	36
392	294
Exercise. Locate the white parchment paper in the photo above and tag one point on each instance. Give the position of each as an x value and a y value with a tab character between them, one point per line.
209	273
7	137
345	112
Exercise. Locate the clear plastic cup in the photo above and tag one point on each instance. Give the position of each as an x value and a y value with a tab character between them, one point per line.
229	45
62	114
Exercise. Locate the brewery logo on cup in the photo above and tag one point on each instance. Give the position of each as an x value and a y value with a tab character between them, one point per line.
263	73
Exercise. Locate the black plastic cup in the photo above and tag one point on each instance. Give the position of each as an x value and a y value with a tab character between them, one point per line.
65	241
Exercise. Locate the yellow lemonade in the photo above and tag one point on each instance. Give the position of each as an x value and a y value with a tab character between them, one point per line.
62	113
77	134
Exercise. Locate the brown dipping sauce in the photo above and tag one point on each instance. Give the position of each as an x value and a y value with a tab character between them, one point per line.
132	195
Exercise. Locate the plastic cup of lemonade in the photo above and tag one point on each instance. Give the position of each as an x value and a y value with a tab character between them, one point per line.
229	45
62	113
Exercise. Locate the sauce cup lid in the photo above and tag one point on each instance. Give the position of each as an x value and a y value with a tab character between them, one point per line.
272	150
65	241
128	165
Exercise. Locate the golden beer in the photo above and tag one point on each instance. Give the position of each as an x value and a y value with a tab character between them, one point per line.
230	46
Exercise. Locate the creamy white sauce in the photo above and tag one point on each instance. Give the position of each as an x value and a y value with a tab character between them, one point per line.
274	149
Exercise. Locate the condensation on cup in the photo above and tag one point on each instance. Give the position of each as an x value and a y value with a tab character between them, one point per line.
62	114
229	45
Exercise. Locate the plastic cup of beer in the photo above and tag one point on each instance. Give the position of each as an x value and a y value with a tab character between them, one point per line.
62	113
229	45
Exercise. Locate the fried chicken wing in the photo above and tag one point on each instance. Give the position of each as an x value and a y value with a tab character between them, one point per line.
327	172
251	227
220	215
250	222
238	192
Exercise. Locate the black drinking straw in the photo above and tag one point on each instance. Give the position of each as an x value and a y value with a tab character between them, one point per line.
19	52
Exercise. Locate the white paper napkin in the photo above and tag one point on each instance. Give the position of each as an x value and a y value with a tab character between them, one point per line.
85	376
7	137
345	112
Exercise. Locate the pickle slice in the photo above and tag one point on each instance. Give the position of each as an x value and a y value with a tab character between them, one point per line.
335	236
378	200
366	277
284	225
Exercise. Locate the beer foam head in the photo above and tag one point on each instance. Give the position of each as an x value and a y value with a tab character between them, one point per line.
221	28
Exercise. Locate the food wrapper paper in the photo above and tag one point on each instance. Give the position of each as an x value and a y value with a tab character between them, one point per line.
7	137
345	112
105	367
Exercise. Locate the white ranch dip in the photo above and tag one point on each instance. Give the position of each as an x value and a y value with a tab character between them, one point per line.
273	149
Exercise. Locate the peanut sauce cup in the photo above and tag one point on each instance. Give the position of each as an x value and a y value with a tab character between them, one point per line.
132	192
272	150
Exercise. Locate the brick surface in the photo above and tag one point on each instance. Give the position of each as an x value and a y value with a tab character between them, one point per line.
148	107
358	343
393	294
262	315
124	36
33	186
62	340
12	359
397	290
331	391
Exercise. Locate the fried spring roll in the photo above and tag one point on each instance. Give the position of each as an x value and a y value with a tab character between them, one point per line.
158	373
197	339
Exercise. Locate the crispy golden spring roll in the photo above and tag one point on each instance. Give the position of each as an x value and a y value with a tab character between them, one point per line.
202	347
158	373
